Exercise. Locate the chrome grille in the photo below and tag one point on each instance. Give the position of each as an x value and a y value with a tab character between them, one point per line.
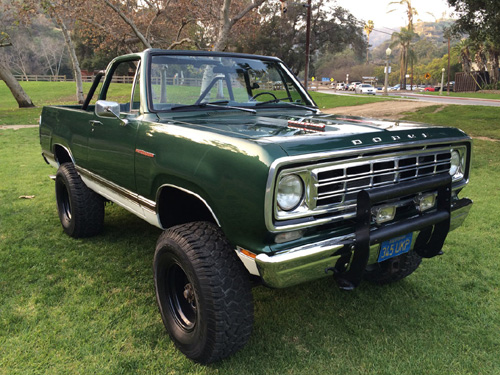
338	184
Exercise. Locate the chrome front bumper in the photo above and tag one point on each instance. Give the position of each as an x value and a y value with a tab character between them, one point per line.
310	262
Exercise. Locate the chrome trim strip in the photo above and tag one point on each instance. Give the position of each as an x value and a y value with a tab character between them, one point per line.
191	193
317	158
138	205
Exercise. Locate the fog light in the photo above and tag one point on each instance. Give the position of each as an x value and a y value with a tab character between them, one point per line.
383	214
425	202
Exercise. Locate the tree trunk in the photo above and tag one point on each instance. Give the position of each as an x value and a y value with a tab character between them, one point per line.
74	60
23	100
226	23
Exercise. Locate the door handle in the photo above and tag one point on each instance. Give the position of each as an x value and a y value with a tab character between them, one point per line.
95	122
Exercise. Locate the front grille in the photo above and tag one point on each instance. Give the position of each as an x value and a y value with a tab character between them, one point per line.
337	185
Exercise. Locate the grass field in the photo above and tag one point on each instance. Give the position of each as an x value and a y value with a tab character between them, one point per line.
87	306
52	93
477	95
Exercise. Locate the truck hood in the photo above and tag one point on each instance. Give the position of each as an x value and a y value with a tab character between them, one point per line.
299	133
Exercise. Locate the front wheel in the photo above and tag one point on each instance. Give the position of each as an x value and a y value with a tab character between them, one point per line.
393	269
203	292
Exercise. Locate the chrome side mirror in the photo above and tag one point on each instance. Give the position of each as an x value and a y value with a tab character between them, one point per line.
105	108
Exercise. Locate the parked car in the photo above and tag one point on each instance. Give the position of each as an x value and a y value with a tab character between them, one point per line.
429	88
352	86
340	86
365	89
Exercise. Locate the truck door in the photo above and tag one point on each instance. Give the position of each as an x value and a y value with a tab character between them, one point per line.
111	146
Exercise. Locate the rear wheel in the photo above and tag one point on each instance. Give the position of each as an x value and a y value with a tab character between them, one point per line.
203	292
393	269
81	210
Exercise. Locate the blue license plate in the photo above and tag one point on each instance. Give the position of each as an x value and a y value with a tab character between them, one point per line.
394	247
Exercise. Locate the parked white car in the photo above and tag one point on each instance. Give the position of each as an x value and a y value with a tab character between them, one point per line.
340	86
365	89
353	85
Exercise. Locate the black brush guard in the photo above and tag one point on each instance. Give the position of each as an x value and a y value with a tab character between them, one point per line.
433	226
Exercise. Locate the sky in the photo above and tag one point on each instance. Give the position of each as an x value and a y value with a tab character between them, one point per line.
376	10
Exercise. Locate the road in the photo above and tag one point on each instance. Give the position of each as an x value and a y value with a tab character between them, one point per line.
429	98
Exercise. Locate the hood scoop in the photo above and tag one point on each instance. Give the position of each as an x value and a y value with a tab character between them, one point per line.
306	126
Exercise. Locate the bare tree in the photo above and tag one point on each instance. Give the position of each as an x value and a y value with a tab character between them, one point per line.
226	22
23	100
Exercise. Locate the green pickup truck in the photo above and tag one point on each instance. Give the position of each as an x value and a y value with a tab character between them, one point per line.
251	183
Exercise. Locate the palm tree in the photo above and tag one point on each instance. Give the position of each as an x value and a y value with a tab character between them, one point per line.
410	11
368	30
403	40
463	49
493	51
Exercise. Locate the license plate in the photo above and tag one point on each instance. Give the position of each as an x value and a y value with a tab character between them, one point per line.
394	247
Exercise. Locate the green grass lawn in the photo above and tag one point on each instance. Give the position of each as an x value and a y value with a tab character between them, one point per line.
476	95
43	93
60	93
87	306
332	101
477	121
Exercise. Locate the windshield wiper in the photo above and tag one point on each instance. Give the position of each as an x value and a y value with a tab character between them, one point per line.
288	103
217	104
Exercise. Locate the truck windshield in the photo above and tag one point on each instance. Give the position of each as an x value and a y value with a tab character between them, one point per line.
195	81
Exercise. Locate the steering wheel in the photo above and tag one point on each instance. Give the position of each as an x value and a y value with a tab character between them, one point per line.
263	93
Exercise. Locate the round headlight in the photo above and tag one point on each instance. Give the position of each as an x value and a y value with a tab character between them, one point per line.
290	192
456	163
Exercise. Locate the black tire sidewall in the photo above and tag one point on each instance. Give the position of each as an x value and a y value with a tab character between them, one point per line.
193	342
63	193
220	284
85	205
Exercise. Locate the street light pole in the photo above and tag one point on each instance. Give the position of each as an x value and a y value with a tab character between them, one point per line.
386	82
448	65
442	82
308	43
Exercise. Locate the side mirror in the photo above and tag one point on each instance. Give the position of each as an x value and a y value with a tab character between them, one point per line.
105	108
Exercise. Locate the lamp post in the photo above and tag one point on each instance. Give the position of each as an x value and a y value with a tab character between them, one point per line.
386	82
442	81
448	66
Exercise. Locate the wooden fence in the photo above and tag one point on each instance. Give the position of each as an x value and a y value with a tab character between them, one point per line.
64	78
40	77
471	81
312	85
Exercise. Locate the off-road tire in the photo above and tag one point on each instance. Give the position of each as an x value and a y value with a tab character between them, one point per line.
203	292
402	265
81	210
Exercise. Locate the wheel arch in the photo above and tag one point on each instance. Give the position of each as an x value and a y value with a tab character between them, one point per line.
177	205
62	154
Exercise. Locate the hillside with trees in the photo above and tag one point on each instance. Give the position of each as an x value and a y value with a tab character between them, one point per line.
64	37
